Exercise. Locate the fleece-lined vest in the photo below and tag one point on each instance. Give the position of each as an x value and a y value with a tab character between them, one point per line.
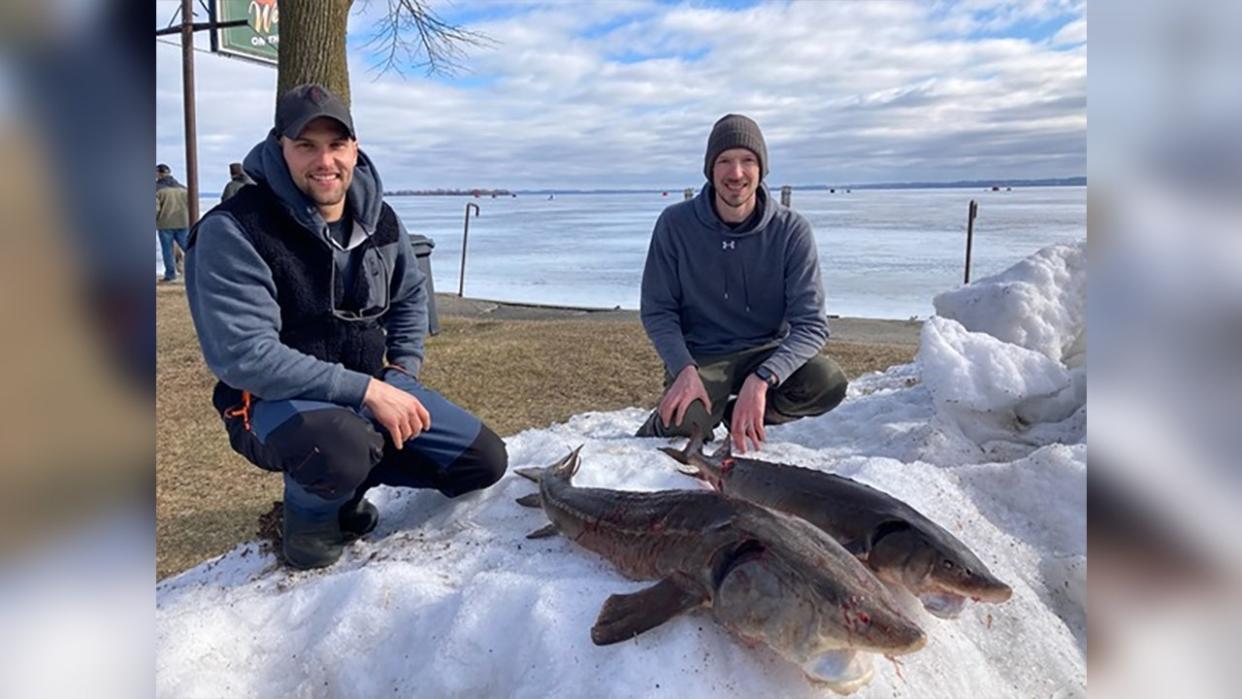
303	269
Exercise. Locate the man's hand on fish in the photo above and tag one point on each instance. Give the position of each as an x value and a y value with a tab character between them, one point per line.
747	422
686	389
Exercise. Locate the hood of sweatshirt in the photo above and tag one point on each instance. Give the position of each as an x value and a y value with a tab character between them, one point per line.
266	165
168	181
705	212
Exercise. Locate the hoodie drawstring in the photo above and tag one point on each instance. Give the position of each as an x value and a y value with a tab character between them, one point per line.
745	288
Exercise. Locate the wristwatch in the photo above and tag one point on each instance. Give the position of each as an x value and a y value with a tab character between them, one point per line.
768	377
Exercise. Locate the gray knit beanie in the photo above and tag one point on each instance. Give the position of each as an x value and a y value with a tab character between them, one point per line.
735	131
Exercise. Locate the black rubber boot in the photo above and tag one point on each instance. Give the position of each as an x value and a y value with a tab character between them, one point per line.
312	529
357	518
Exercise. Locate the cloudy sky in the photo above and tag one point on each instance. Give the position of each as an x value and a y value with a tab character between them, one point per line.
623	94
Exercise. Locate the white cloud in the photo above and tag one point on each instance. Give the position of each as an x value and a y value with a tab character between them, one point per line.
845	92
1072	33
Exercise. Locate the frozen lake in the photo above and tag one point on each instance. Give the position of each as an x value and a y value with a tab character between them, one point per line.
884	253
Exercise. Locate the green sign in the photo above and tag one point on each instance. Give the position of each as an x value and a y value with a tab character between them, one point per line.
260	38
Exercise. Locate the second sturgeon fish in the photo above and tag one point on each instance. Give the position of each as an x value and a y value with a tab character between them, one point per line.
897	542
767	577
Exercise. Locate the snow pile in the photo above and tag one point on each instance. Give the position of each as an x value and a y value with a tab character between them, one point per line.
1010	372
1004	398
448	599
1039	303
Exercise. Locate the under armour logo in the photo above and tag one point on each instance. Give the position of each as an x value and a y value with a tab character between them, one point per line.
728	244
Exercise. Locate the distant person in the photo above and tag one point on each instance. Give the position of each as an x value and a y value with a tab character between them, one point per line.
172	217
237	179
733	302
311	310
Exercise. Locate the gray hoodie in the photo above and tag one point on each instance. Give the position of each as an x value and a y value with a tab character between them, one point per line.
233	301
710	290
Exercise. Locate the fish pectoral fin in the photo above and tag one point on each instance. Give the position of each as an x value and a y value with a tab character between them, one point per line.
544	532
676	455
625	616
531	500
531	474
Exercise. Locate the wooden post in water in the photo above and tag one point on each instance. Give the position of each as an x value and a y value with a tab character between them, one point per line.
786	195
689	193
465	235
970	234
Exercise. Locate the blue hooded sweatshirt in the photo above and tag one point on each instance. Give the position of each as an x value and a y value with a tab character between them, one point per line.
709	289
233	301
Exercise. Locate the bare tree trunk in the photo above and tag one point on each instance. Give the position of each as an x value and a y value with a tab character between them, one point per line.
312	45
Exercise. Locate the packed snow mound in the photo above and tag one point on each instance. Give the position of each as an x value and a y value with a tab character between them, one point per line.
976	371
1039	303
1005	398
446	597
1004	359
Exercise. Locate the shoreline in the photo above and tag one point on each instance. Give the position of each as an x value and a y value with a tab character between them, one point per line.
886	331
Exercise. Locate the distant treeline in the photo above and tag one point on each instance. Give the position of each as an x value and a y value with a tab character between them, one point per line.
960	184
449	193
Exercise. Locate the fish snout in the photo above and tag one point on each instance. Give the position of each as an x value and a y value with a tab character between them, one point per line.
976	585
881	628
907	638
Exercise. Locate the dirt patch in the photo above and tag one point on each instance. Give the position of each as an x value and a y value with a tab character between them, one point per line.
271	526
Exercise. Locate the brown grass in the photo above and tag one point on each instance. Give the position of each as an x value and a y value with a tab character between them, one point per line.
514	374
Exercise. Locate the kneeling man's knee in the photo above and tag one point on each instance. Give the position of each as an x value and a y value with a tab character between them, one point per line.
817	387
482	464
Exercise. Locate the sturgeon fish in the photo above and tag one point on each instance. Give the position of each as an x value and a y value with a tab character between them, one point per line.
767	578
897	542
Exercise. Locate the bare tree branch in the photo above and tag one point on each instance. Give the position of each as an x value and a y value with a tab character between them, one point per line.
411	35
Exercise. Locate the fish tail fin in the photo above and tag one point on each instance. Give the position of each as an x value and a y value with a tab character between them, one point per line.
536	473
695	445
568	465
687	463
693	448
684	465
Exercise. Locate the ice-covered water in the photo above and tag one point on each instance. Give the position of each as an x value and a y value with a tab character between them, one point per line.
884	253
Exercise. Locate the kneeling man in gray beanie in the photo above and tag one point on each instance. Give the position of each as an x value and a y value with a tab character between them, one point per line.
733	302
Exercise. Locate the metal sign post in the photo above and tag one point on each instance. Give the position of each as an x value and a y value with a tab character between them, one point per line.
970	234
465	234
186	29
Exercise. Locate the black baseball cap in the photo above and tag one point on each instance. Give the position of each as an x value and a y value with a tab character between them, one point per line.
305	103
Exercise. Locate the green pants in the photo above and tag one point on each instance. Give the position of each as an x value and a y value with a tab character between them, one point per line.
815	388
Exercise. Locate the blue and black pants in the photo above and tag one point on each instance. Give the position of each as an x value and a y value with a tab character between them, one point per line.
335	451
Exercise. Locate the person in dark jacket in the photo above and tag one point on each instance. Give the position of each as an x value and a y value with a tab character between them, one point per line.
733	302
237	179
311	311
172	217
